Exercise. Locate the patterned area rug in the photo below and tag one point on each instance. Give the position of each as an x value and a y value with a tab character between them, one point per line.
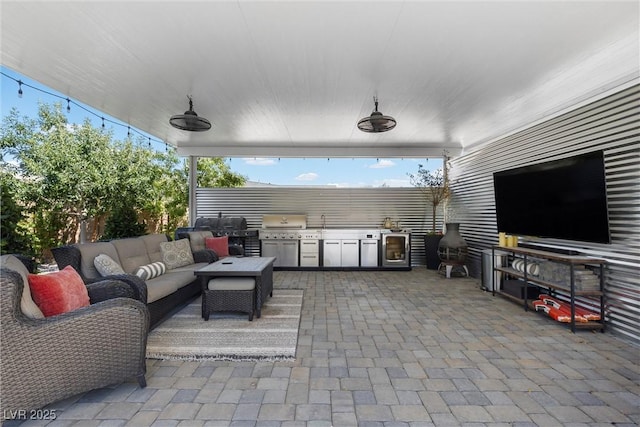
230	336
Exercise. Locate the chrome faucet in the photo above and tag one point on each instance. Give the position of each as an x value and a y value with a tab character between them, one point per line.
323	218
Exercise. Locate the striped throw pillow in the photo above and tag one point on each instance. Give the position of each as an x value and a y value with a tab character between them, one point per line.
150	271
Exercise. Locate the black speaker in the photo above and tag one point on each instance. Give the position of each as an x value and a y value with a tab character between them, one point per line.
516	288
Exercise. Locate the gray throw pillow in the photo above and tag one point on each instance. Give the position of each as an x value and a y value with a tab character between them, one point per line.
176	254
106	266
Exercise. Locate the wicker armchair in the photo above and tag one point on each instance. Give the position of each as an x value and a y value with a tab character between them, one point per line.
46	360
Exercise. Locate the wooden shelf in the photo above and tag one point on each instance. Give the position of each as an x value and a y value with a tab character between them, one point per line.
572	261
539	282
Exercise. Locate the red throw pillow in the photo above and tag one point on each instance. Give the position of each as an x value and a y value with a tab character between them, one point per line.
58	292
220	245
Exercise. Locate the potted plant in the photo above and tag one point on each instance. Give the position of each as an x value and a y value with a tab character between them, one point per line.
435	187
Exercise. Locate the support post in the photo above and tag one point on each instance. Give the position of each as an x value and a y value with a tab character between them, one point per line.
193	184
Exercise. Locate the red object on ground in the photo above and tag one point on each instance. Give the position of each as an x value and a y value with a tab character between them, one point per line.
562	314
587	314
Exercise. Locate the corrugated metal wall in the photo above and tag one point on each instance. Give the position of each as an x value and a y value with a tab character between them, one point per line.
611	124
342	207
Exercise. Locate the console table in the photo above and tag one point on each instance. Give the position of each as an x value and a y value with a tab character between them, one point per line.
572	292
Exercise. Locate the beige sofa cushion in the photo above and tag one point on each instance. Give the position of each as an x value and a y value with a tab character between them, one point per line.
161	286
192	267
197	238
232	284
27	305
89	251
132	252
152	242
171	281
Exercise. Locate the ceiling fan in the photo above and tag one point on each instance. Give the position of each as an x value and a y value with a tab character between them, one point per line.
190	121
376	122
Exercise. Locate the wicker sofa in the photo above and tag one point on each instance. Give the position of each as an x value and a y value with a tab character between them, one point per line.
48	359
161	294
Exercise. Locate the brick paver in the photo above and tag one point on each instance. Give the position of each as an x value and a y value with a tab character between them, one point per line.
390	348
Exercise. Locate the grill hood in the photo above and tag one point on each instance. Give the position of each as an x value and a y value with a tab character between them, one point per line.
294	221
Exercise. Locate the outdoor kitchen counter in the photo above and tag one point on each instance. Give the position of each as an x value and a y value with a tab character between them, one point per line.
355	248
349	233
287	238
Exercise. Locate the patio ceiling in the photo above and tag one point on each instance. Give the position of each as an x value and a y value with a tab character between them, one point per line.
292	78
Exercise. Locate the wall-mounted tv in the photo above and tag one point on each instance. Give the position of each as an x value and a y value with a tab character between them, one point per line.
562	199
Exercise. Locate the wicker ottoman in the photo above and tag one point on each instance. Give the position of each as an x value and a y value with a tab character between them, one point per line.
229	294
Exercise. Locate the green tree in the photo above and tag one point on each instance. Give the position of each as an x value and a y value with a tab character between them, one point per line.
13	234
67	173
136	171
123	222
434	186
212	172
73	172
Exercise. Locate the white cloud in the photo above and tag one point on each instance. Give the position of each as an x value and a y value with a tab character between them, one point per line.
309	176
259	161
382	164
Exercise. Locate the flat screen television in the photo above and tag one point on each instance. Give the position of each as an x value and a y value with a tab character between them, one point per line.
562	199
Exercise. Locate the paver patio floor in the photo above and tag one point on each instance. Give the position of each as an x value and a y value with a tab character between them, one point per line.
390	348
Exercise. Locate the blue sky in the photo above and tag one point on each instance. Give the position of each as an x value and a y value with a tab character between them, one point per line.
357	172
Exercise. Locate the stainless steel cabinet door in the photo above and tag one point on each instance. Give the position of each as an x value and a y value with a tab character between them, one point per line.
332	253
285	251
369	253
350	256
289	253
271	248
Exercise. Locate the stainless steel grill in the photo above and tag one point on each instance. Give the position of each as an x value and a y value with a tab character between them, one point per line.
281	236
287	227
233	226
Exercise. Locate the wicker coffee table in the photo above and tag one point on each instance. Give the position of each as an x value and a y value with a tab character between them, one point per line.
258	268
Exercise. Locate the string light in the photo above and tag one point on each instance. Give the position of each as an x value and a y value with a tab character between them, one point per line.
70	101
